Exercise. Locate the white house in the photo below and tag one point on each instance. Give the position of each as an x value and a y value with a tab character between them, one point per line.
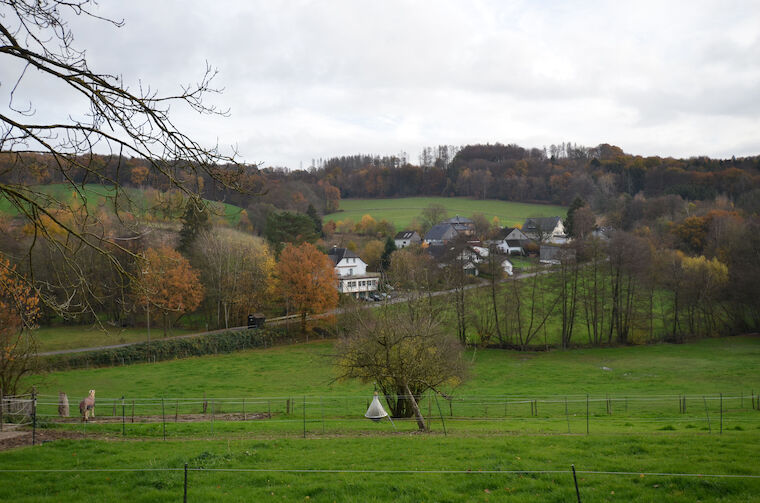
407	238
510	241
353	278
546	230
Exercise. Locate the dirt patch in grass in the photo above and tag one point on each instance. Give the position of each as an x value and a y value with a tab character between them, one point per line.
23	438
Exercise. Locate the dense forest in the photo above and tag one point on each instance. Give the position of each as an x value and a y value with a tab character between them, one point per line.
609	179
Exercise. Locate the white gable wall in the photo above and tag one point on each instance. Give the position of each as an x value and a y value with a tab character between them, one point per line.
351	266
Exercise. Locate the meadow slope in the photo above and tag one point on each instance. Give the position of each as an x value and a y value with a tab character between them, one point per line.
400	211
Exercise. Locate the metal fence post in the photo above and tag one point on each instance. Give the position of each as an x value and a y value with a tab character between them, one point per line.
575	479
34	416
123	424
440	413
586	413
184	498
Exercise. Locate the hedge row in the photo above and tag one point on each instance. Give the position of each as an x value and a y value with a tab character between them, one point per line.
170	349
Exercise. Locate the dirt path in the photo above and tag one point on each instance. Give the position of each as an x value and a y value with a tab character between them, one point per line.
13	436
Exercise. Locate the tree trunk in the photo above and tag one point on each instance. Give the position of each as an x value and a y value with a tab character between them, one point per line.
416	408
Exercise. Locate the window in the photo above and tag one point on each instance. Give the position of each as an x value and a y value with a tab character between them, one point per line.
350	272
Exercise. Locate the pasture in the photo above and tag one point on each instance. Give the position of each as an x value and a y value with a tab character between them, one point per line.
127	200
323	429
401	211
54	338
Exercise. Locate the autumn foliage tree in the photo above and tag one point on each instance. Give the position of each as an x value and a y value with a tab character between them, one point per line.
19	309
307	280
237	270
168	282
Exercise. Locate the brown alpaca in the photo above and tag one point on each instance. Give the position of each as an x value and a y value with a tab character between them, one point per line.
87	406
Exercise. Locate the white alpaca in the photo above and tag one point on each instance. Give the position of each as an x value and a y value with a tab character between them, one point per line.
87	406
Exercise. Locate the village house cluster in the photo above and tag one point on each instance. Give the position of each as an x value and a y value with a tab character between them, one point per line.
454	239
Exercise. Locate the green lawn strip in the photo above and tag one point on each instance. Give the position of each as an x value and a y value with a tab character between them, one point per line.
729	365
400	211
87	336
696	453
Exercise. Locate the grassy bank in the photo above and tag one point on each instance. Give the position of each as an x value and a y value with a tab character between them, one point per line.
706	366
87	336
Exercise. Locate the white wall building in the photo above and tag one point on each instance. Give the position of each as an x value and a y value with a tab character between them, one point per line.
406	238
353	278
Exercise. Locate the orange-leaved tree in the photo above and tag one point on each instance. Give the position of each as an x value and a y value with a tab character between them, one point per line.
19	309
307	280
169	283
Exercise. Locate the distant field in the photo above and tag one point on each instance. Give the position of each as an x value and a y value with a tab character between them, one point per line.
401	211
102	195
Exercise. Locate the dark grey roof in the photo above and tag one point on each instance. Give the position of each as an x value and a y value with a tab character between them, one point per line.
338	254
544	224
437	251
504	232
457	220
439	232
515	243
405	235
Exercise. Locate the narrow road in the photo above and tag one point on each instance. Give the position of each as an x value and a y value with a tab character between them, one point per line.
273	321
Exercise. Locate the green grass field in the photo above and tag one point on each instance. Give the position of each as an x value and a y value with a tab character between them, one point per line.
688	453
101	195
87	336
707	366
401	211
646	437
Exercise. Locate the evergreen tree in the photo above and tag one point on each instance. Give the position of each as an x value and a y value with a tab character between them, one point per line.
288	227
577	204
194	221
385	259
311	212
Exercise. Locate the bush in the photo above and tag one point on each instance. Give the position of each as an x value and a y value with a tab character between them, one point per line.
169	349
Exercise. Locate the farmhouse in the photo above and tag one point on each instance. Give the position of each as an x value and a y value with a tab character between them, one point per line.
407	238
353	278
510	241
468	257
440	234
545	230
462	225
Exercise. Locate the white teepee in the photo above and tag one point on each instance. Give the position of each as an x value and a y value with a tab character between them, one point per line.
375	411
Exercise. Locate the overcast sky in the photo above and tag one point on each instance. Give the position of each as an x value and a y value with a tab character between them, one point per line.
308	79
